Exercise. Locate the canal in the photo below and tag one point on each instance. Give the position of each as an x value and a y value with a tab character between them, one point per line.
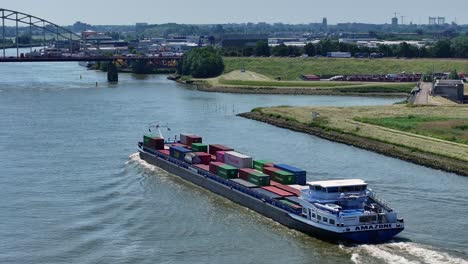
73	190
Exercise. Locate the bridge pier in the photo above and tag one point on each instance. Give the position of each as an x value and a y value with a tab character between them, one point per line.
112	72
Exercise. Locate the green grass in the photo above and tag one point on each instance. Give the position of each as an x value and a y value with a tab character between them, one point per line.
293	68
451	129
345	87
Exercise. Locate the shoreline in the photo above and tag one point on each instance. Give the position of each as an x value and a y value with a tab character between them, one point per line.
404	153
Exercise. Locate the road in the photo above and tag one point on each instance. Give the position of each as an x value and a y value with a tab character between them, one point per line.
422	97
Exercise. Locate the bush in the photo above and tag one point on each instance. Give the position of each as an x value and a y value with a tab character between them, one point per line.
202	63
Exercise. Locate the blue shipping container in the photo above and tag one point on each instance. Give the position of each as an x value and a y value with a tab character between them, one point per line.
178	152
299	173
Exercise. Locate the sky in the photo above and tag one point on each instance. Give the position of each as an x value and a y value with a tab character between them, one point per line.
118	12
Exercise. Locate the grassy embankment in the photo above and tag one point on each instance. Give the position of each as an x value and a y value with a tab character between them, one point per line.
292	68
435	136
252	82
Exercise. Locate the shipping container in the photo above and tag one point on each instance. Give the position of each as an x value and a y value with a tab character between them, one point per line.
270	170
220	156
178	152
214	167
205	158
189	139
244	173
284	177
259	178
198	147
266	193
153	142
165	151
300	174
290	204
277	191
288	188
203	167
260	164
227	172
244	183
192	158
237	159
216	147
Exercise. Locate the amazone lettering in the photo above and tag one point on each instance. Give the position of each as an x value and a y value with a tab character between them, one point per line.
373	227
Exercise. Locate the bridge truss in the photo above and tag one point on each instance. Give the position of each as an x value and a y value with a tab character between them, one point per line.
36	23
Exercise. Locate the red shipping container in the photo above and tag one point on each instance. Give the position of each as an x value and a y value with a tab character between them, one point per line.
244	173
214	167
216	147
164	151
220	156
289	189
277	191
213	157
193	139
203	167
270	171
268	165
273	183
204	157
180	145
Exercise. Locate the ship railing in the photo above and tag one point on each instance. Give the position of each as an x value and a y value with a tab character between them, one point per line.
228	183
380	201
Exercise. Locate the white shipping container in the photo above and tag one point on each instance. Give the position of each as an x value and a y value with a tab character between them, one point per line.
237	159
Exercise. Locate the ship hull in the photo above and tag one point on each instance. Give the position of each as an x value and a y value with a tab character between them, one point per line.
277	214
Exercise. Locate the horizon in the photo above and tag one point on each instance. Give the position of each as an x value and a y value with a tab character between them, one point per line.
208	12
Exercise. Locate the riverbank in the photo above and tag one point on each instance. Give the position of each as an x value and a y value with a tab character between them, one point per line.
408	133
249	82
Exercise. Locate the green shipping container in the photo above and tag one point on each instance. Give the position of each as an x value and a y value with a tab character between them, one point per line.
198	147
284	177
227	172
259	179
259	164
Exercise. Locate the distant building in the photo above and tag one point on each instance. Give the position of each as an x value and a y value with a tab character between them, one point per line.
450	89
324	24
242	40
140	27
394	21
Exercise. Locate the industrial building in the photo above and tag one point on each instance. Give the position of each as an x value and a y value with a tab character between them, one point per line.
242	40
450	89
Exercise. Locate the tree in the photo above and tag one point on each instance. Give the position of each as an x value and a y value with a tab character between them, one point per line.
460	47
442	49
310	50
203	62
262	49
281	50
141	67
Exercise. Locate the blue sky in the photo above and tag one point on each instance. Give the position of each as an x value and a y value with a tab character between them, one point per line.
234	11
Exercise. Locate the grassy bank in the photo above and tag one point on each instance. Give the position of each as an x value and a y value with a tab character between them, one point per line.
252	82
293	68
431	136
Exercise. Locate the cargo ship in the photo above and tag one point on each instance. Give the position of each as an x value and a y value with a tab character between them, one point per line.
333	210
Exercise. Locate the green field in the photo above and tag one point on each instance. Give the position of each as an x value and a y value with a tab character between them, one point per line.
344	87
451	129
293	68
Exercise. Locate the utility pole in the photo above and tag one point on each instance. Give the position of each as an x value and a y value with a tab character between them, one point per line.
3	32
17	46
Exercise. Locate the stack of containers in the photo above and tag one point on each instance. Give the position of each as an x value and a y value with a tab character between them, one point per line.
227	171
199	147
284	177
237	159
254	177
178	152
189	139
216	147
260	164
300	174
153	142
277	191
214	167
205	158
220	156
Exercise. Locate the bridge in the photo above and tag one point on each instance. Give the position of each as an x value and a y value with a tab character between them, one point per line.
78	47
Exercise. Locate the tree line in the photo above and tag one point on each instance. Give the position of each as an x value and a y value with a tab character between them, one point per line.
455	48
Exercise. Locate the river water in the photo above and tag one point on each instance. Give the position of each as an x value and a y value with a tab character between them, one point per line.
74	191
